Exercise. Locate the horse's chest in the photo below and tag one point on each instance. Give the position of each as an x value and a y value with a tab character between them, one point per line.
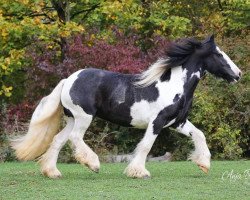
143	112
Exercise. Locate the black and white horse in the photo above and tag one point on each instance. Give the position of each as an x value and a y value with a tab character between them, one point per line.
159	97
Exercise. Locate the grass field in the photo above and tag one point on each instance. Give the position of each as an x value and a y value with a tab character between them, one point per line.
173	180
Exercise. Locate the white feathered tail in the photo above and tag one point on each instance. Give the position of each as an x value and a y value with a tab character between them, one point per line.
43	126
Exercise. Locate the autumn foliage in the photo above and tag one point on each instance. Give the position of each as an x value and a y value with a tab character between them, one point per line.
43	41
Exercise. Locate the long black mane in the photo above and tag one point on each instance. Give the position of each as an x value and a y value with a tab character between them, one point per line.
178	52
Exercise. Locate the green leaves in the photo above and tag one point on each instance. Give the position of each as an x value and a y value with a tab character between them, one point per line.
23	23
237	15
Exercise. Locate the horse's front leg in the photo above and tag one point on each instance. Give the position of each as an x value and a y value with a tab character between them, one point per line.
136	168
201	155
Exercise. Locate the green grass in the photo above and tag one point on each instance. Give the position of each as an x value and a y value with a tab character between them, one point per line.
173	180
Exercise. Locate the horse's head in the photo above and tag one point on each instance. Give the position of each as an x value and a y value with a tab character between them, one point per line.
217	62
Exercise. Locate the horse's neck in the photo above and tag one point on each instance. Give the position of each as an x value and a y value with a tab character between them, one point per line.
193	72
183	79
182	74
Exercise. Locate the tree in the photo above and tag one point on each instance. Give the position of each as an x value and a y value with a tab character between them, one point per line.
27	21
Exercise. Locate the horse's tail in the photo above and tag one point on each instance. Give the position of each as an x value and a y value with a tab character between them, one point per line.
43	126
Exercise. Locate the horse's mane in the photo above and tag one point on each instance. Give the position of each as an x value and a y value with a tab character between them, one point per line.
176	54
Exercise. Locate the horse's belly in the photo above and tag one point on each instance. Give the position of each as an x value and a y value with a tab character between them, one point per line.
138	115
118	114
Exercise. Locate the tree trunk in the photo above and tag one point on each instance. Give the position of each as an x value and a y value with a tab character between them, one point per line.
63	11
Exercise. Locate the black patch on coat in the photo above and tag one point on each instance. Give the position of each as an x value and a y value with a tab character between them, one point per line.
163	118
84	89
67	112
149	93
166	76
176	98
173	111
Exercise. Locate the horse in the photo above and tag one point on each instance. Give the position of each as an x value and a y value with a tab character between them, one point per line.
159	97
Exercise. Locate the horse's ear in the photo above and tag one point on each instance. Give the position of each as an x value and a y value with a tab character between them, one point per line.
209	39
207	46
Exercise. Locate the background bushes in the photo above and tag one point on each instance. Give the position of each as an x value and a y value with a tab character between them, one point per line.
44	41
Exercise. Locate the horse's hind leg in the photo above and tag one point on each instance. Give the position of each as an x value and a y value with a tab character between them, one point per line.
49	159
83	153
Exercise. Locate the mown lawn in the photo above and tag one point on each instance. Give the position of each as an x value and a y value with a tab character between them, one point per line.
173	180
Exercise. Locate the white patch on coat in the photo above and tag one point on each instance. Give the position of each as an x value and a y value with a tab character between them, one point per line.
170	123
142	112
233	67
197	74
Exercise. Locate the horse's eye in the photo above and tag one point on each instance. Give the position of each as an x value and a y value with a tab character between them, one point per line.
219	54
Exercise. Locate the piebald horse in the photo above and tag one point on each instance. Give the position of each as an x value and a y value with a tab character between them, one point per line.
157	98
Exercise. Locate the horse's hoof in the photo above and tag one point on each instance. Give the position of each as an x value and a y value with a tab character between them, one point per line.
56	176
204	169
96	170
52	174
146	177
137	172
